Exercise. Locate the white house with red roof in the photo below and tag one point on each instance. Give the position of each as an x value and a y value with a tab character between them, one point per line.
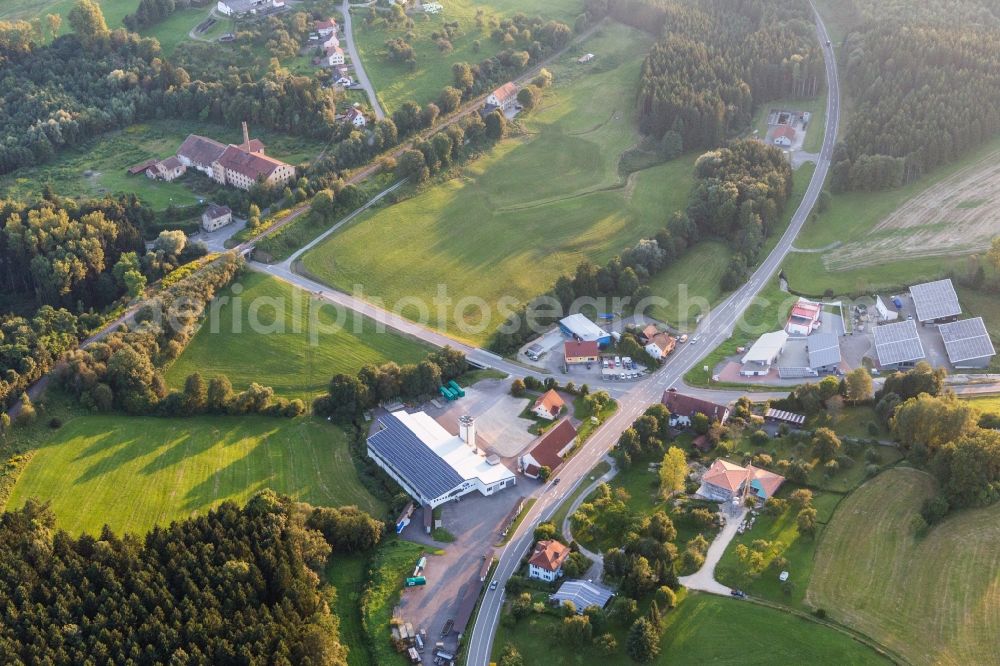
326	27
804	318
503	97
333	56
784	136
547	560
355	117
725	480
581	351
548	406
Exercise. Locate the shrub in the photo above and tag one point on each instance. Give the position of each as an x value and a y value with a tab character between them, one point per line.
55	423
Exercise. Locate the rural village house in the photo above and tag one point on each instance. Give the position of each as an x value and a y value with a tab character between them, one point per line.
547	560
548	406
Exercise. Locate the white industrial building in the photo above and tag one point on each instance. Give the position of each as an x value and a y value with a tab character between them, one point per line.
578	327
758	359
430	463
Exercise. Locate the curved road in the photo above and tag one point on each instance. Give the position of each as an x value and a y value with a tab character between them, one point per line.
715	328
359	68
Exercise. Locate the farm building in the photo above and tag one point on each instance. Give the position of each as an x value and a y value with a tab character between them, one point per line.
936	302
200	152
579	351
215	217
243	7
898	345
503	98
725	480
430	463
141	167
660	346
884	312
326	27
583	594
333	56
824	352
547	560
168	169
550	449
686	406
763	353
578	327
355	117
967	343
240	166
548	406
804	317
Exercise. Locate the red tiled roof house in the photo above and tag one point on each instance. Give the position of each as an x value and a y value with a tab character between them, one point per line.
550	449
548	406
547	560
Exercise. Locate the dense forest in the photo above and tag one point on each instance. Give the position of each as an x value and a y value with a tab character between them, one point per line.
716	60
925	80
236	586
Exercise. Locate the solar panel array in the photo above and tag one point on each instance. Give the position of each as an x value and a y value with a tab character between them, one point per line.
967	339
935	300
898	343
423	469
824	350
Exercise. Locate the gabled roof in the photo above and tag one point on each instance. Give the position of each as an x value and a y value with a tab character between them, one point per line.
581	348
424	468
935	300
201	150
551	401
352	114
251	165
804	309
549	555
665	343
725	474
583	594
785	131
966	340
546	451
766	348
505	92
823	349
326	24
686	405
171	163
898	343
215	211
650	331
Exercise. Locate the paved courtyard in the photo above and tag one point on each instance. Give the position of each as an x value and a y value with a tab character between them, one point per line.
499	429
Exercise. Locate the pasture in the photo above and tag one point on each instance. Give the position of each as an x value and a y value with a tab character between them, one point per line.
934	598
395	83
260	330
135	472
532	209
99	166
703	629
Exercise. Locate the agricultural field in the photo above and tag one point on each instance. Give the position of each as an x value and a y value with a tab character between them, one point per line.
871	240
704	629
135	472
395	83
934	598
250	343
531	210
99	166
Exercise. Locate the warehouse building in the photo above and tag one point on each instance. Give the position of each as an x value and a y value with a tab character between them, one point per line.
430	463
898	345
967	343
583	594
762	354
935	302
578	327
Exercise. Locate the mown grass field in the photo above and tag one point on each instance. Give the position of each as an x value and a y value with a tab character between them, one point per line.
851	217
703	629
348	573
281	352
395	83
99	166
133	473
935	599
531	210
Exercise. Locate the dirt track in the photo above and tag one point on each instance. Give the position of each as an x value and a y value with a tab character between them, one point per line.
957	216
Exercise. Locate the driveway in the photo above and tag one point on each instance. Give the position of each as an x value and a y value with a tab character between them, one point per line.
596	570
359	67
215	241
704	579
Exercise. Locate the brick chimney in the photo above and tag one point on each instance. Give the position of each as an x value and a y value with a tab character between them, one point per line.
246	138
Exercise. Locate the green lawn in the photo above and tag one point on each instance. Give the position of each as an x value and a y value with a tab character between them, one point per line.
703	629
531	210
99	166
989	404
136	472
282	352
933	598
348	573
599	470
395	83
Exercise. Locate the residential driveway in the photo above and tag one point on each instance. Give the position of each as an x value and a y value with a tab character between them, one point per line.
359	67
596	570
704	578
215	241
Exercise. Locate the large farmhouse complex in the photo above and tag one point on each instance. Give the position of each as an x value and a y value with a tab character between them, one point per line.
240	166
430	463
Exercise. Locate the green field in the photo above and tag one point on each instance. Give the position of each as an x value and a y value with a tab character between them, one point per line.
395	83
99	166
531	210
703	629
935	599
294	362
348	573
136	472
393	561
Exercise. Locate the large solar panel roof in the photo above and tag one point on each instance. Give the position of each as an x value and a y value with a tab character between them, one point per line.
966	339
824	349
935	300
424	470
898	343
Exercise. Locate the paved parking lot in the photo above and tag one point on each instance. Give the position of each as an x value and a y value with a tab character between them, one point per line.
499	429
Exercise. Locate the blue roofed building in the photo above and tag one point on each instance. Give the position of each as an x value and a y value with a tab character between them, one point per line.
578	327
430	463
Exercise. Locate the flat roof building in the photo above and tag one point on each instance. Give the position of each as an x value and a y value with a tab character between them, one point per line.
765	351
967	343
935	302
824	352
430	463
898	345
578	327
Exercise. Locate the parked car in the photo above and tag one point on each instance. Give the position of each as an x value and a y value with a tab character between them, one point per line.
737	593
683	338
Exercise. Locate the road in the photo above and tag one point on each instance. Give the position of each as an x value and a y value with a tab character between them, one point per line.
359	67
714	328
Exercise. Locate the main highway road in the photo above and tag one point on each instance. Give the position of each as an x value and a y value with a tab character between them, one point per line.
714	328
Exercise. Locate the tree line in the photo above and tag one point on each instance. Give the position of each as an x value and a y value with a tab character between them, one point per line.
237	585
925	83
738	196
151	12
